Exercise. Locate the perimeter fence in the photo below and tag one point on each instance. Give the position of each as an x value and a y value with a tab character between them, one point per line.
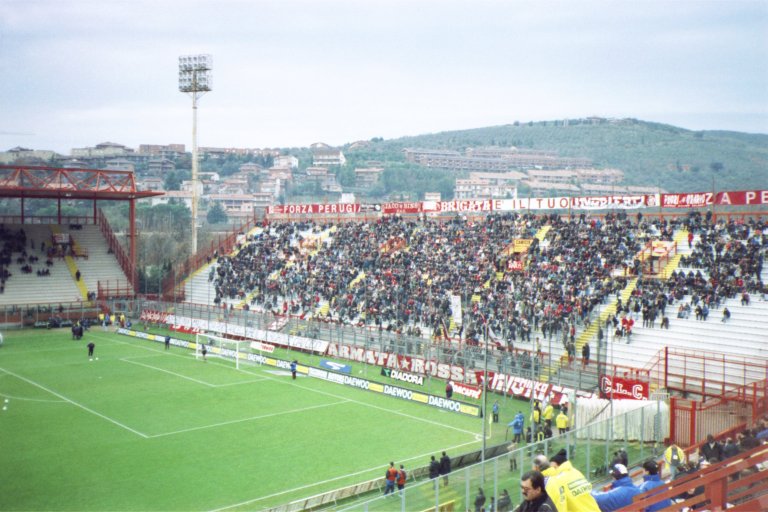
591	449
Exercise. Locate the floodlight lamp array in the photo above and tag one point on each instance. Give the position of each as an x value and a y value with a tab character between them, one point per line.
195	73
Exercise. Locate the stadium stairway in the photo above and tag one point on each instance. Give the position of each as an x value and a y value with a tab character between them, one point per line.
542	233
741	338
681	239
559	366
72	265
197	288
99	265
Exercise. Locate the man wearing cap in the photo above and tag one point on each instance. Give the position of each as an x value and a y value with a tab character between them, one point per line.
568	488
652	480
621	492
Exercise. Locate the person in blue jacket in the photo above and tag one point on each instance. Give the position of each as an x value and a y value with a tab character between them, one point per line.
621	492
517	424
652	480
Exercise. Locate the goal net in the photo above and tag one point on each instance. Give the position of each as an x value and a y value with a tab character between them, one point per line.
210	345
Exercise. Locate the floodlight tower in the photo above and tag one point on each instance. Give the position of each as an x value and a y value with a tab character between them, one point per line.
195	78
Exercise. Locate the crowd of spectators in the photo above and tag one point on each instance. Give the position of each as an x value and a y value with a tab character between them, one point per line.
444	278
407	275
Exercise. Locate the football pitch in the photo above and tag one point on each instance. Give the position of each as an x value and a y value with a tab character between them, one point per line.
142	428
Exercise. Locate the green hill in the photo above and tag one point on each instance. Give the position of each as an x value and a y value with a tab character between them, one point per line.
650	154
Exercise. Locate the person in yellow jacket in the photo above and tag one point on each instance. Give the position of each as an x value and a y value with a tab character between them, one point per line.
562	422
674	458
568	488
549	413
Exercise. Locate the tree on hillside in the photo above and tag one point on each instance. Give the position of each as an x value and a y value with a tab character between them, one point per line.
216	214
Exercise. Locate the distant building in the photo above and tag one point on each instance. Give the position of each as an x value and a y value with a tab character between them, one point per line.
367	177
251	167
558	176
326	157
500	178
171	196
170	151
102	150
478	188
289	161
432	196
600	175
151	183
489	159
160	167
282	173
272	186
19	153
120	164
542	188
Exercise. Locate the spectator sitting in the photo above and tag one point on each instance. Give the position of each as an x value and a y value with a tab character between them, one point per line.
621	493
651	480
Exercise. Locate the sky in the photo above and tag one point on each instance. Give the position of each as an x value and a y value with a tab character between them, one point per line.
289	73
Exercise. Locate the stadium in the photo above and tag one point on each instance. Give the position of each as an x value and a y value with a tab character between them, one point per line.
291	364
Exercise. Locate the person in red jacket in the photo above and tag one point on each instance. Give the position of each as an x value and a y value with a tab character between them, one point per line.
391	476
402	476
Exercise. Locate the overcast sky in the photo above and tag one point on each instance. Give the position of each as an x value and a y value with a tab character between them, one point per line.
75	73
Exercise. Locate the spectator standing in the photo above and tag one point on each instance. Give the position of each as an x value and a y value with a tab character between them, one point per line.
479	500
402	476
674	458
585	351
517	424
568	488
391	476
504	502
434	468
495	411
711	451
548	413
445	467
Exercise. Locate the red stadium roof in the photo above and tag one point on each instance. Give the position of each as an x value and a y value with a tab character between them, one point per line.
59	183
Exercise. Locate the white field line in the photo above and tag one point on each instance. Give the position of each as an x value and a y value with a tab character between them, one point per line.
315	484
332	395
309	486
281	413
115	422
204	383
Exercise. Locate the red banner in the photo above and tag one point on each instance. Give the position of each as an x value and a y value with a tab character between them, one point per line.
618	388
701	199
318	209
514	266
603	202
397	208
153	316
525	388
468	391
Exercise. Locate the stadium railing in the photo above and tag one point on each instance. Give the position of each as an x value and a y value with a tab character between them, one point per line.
591	449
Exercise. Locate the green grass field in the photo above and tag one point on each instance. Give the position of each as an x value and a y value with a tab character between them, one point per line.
142	428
